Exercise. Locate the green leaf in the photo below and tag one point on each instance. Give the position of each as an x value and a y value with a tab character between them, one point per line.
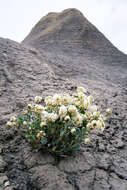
54	148
25	118
78	132
84	122
59	121
55	141
32	138
75	147
62	131
51	131
20	120
43	140
82	111
84	131
69	123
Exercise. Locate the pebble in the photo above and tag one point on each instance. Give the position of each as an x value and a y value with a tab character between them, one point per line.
0	149
6	184
3	179
8	188
120	144
3	164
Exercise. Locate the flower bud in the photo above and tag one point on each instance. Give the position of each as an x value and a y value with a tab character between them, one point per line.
87	140
13	119
67	118
108	111
24	123
9	124
90	99
29	106
73	130
25	112
42	124
81	89
38	99
62	111
41	134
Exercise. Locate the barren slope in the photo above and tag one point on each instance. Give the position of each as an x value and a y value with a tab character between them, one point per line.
64	50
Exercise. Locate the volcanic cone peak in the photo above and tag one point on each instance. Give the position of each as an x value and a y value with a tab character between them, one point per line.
68	29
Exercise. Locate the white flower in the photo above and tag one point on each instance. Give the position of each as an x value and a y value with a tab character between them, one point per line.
78	120
56	100
99	125
67	118
74	94
87	140
72	109
62	111
81	89
108	111
81	95
42	124
66	99
38	99
96	114
89	126
41	134
9	124
57	97
73	130
39	108
24	123
13	119
90	99
44	115
76	102
88	115
53	117
48	100
92	108
29	106
25	112
94	123
85	103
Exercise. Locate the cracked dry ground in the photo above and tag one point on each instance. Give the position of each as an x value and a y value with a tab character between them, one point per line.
101	165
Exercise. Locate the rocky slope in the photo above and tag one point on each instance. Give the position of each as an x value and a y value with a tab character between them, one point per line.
64	50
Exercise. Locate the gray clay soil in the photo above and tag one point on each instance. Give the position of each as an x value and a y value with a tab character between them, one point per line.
63	51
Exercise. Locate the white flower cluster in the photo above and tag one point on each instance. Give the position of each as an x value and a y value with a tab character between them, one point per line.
12	122
76	108
63	107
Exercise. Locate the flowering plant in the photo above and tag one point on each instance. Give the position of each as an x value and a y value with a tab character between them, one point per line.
62	124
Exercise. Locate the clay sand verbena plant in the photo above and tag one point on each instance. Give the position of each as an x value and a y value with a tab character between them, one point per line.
62	124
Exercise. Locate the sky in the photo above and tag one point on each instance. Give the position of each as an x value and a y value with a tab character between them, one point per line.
18	17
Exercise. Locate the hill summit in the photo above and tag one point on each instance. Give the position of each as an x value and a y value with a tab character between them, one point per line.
67	30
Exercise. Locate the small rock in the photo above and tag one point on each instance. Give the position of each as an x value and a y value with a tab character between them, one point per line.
101	147
119	144
1	149
3	164
3	179
103	161
8	188
7	183
115	94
